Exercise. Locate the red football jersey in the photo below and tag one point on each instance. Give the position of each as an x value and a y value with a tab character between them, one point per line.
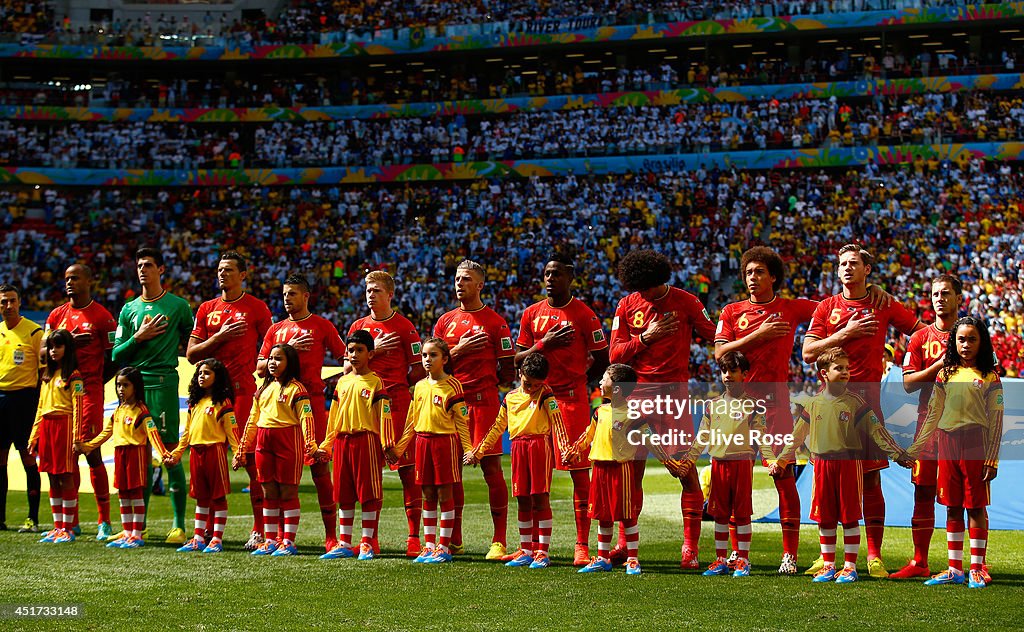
392	366
568	364
667	360
769	361
237	354
478	372
92	318
925	347
865	352
311	362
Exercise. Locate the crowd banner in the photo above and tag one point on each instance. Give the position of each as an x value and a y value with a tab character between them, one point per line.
400	45
469	107
809	158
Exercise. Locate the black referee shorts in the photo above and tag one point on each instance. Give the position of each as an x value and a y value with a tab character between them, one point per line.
17	412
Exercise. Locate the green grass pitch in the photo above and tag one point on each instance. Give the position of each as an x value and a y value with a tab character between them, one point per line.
156	588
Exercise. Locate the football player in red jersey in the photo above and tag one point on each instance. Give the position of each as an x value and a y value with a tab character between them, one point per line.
231	328
568	333
849	320
482	359
312	337
763	328
651	332
921	365
92	327
396	359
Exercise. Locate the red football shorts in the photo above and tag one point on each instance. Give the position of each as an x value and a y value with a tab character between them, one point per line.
532	462
358	463
438	459
54	444
130	467
208	472
925	472
575	407
616	490
732	484
400	400
319	405
837	491
279	456
483	410
960	468
243	406
92	412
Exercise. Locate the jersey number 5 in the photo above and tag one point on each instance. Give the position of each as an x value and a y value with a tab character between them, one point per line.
834	317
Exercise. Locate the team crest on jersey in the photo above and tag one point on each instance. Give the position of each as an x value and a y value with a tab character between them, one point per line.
129	420
209	410
60	383
977	383
365	393
506	344
844	416
437	400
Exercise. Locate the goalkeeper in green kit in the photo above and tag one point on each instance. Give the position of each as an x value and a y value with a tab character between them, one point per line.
150	330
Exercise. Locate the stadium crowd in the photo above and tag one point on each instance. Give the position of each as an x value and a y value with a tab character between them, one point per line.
556	77
304	22
962	216
628	130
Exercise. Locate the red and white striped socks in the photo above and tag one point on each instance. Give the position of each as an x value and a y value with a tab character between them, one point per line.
138	513
604	539
202	516
525	520
57	508
271	519
542	522
632	530
979	542
346	518
743	535
722	539
447	524
827	538
220	518
430	524
290	517
955	544
370	519
851	544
